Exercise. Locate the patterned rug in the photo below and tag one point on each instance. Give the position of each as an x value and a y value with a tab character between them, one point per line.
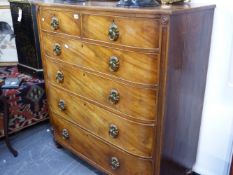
27	104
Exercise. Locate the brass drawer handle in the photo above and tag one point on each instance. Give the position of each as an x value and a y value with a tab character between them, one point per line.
113	131
115	163
54	23
114	96
114	63
113	32
57	49
65	134
59	77
61	105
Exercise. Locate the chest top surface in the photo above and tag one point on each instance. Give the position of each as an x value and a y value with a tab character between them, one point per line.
111	6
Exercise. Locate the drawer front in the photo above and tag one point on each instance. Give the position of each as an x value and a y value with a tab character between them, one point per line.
99	153
61	21
130	66
130	136
135	32
139	103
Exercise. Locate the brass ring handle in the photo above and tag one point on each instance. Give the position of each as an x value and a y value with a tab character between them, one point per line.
113	32
61	105
59	77
54	23
65	134
57	49
113	131
115	163
114	63
114	96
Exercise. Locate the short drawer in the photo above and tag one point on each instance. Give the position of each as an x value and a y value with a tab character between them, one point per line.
128	31
135	102
98	153
132	137
60	21
131	66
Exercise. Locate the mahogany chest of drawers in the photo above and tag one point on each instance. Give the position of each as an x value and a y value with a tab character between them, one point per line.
126	86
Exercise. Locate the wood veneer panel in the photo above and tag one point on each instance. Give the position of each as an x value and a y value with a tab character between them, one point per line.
136	32
67	23
135	138
135	67
98	88
98	152
188	55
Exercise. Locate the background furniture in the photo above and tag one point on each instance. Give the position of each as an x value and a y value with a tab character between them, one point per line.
26	36
126	92
3	102
27	104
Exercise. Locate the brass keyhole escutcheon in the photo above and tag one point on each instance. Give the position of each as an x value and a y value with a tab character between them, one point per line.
59	77
65	134
54	23
114	63
113	131
57	49
113	32
61	105
114	96
115	163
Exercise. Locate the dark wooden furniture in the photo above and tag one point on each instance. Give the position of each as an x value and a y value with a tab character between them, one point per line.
126	86
26	37
3	101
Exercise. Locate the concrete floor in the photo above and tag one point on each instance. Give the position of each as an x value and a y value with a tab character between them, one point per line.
39	156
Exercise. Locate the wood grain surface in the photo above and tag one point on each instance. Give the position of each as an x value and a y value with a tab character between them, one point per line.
97	152
133	137
188	58
163	55
98	88
137	32
67	23
135	67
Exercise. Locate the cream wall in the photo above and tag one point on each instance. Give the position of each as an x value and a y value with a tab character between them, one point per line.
216	136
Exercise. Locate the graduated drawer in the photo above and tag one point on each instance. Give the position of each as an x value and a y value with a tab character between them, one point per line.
136	102
61	21
130	136
97	152
127	65
129	31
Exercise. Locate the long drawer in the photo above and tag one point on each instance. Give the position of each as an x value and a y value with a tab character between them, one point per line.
130	136
60	21
137	32
97	152
136	102
131	66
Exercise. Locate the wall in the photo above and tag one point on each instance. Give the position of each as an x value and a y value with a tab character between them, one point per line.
216	137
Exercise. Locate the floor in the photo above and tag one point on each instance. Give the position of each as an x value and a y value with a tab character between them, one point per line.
39	156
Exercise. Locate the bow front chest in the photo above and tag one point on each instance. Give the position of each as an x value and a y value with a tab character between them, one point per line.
125	85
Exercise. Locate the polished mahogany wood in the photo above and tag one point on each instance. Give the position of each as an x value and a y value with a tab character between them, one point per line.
188	55
136	32
98	88
175	38
134	138
96	57
65	18
99	153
